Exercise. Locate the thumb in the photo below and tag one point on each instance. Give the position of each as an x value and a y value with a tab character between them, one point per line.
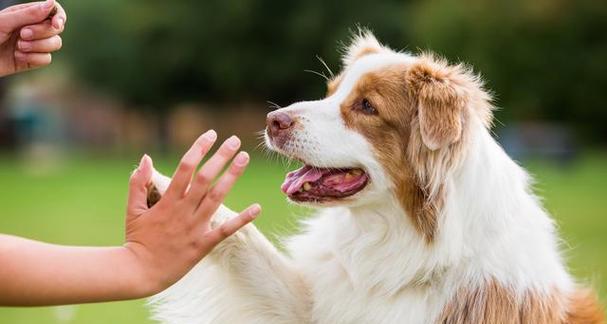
13	19
137	201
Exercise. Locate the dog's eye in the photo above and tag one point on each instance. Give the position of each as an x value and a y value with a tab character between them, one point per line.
367	108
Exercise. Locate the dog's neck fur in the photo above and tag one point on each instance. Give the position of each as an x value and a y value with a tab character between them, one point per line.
501	233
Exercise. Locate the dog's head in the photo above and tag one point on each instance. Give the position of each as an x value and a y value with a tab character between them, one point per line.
391	124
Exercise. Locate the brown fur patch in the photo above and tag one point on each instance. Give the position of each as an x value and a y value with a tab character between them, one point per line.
584	308
417	134
332	85
452	83
494	303
439	104
390	132
365	51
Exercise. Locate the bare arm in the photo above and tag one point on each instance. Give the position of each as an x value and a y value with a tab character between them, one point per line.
35	273
162	243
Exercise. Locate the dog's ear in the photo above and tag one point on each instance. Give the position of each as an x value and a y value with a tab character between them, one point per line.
440	101
362	43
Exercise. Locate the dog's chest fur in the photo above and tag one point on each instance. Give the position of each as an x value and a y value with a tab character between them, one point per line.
358	272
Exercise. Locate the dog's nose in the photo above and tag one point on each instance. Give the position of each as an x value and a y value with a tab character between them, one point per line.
278	122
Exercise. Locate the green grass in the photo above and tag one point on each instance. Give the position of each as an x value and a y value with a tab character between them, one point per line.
81	201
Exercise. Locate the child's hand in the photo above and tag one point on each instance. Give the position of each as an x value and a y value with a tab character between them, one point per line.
29	33
168	239
162	243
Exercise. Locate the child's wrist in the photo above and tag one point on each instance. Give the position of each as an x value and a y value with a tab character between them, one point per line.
140	278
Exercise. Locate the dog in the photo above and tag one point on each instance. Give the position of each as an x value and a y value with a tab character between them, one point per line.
422	217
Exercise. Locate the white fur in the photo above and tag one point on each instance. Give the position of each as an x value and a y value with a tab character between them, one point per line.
364	262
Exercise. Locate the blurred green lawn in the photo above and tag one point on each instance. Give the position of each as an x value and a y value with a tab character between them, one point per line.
81	201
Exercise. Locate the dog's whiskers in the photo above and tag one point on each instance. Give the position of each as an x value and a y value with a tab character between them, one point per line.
322	75
273	105
331	74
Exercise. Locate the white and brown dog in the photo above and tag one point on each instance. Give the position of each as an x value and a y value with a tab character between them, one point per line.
423	218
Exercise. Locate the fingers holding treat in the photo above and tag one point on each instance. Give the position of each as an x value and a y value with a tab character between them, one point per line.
58	17
11	20
50	27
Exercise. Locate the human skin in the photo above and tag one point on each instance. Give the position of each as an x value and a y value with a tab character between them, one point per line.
162	243
28	35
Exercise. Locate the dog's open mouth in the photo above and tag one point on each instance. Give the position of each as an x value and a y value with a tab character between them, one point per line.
313	184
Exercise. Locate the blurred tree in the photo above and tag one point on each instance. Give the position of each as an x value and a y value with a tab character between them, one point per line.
544	58
156	52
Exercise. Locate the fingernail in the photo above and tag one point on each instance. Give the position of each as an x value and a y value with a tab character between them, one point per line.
24	46
141	162
147	161
233	142
241	159
19	55
48	4
210	135
27	33
255	210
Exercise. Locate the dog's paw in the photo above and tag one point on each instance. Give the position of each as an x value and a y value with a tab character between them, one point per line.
153	195
157	187
222	215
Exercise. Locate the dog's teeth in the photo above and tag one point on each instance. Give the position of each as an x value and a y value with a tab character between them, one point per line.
307	186
356	172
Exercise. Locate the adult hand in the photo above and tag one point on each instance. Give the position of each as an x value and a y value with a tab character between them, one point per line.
29	33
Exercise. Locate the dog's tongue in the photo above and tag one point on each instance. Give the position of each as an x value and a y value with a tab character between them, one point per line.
295	180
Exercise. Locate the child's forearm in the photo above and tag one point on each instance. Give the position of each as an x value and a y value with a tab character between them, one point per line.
34	273
162	243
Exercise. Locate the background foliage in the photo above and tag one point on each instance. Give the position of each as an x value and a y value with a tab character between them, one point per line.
545	59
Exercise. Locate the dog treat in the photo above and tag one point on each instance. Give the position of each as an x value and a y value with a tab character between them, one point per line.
52	13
